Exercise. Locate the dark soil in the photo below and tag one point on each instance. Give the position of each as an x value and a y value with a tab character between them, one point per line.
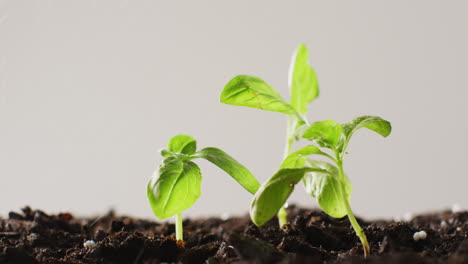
32	236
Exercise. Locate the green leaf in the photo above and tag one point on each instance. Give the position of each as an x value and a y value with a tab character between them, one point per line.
274	193
174	187
326	185
232	167
182	144
303	81
298	158
299	127
374	123
244	90
166	153
326	133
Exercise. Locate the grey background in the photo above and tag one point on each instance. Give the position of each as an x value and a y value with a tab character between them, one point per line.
90	90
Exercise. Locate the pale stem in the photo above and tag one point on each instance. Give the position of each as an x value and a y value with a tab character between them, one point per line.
354	223
282	214
179	229
357	228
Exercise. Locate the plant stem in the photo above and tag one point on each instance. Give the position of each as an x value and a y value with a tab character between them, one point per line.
354	223
287	148
179	229
282	214
357	228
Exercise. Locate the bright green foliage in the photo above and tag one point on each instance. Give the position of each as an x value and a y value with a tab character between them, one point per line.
325	186
175	186
231	167
333	188
326	133
182	144
331	135
323	180
374	123
303	82
327	182
299	157
273	193
244	90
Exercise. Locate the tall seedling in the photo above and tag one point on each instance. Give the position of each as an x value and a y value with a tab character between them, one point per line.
250	91
325	181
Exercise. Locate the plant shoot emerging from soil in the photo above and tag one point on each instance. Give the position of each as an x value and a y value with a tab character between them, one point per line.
325	181
245	90
331	186
176	184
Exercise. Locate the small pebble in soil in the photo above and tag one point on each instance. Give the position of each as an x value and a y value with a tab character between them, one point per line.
421	235
89	244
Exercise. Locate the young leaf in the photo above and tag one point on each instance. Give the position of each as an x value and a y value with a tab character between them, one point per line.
174	187
326	186
299	157
303	81
273	193
374	123
244	90
184	144
166	153
326	133
236	170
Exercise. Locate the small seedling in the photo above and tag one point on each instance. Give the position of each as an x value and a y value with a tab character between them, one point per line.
325	181
176	184
250	91
328	183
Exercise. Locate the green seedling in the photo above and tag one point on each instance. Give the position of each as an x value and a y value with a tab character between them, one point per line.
327	181
176	184
250	91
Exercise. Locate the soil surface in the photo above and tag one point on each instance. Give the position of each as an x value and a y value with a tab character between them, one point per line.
32	236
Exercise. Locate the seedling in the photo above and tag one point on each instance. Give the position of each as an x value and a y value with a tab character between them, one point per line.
176	184
328	183
323	180
250	91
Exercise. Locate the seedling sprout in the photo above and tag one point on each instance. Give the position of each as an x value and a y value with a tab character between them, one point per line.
323	180
175	185
250	91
